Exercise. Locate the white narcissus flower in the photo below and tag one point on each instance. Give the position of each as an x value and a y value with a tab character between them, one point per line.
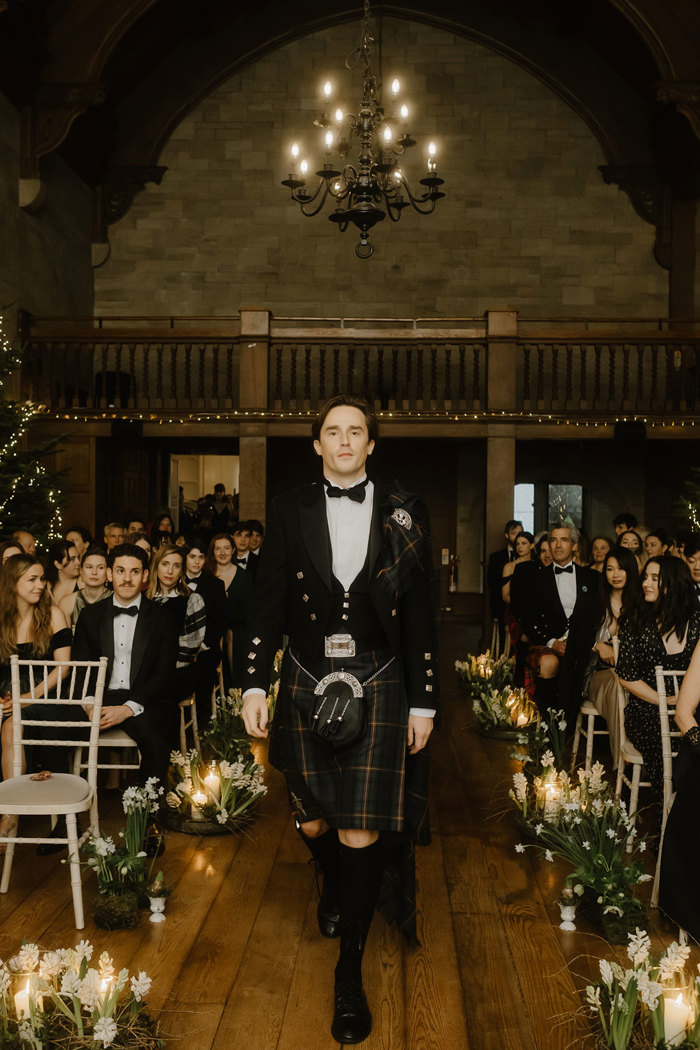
105	1031
547	759
140	986
106	965
586	845
649	990
520	785
673	960
593	996
639	947
225	769
89	993
539	828
70	983
122	979
28	957
606	972
520	848
597	776
51	964
548	856
5	980
83	950
562	724
173	800
177	759
222	816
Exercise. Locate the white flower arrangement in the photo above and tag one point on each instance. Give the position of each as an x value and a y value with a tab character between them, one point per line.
628	1002
583	824
56	998
224	792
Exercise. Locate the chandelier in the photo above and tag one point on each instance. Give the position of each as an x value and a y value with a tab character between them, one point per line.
375	185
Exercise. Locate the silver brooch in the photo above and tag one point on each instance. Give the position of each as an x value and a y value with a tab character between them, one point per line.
402	518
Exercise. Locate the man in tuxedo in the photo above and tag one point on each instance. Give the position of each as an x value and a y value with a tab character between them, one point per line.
553	594
494	574
257	531
209	657
346	572
140	640
692	558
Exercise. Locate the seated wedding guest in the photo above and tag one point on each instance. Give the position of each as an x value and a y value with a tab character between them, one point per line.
582	550
8	548
135	525
553	594
655	544
79	538
209	657
114	535
257	531
692	560
678	889
93	574
163	530
494	574
238	583
140	539
524	549
624	523
633	542
26	541
62	570
140	641
166	584
600	547
543	554
663	630
240	533
588	672
33	628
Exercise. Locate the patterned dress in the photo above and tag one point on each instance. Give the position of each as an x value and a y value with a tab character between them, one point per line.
640	652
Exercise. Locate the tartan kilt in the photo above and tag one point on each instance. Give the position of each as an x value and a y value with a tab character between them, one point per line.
360	786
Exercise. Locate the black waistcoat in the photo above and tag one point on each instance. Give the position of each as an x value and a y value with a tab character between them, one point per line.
352	611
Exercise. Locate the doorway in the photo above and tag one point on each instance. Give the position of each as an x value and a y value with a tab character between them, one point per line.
197	475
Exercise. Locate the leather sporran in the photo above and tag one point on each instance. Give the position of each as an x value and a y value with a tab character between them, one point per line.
339	713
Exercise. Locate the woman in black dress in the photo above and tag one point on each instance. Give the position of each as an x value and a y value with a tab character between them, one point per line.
663	630
33	629
678	891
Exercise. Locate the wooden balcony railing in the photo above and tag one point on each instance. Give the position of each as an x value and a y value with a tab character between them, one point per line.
493	367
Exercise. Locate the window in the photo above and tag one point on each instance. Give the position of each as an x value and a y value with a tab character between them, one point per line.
565	505
524	506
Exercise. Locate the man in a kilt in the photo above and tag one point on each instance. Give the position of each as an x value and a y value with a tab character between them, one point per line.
346	573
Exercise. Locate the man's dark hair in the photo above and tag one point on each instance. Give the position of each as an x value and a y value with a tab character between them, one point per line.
692	545
127	550
240	526
626	519
94	551
219	487
85	536
353	402
510	524
256	526
659	533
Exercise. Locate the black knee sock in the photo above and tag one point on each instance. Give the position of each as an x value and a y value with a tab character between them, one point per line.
546	694
325	849
359	886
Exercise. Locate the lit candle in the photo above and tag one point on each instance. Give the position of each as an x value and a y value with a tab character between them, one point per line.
212	781
395	86
404	112
199	799
327	89
295	153
339	115
677	1016
432	150
22	1002
303	168
522	719
329	140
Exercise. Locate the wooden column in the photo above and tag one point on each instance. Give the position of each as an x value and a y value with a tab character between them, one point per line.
681	278
253	471
255	338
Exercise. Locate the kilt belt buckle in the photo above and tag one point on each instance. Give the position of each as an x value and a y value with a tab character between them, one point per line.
339	645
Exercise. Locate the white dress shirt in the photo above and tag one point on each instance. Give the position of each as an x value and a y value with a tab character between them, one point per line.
566	588
124	628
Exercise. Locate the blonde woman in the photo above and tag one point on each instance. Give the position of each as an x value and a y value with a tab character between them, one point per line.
166	585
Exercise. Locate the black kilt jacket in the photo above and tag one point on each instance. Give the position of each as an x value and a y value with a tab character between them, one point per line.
293	593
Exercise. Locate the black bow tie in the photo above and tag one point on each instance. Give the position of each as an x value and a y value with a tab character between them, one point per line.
242	561
119	610
557	569
356	493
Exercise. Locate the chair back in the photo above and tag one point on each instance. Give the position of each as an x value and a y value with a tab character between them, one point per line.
668	684
60	686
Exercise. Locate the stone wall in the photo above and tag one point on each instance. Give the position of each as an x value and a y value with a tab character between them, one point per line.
528	222
45	263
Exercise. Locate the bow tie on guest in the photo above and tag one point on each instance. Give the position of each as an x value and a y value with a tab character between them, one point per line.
356	493
119	610
558	569
241	561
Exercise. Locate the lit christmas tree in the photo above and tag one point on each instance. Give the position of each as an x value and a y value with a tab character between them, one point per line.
30	495
688	505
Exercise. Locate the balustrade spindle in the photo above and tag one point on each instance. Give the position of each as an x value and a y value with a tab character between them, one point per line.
366	383
669	377
526	375
596	374
395	375
118	375
336	367
540	377
278	376
132	375
293	376
462	375
476	364
188	375
145	398
583	351
202	374
103	392
433	375
380	390
654	374
448	376
640	378
612	351
555	375
322	374
307	376
625	374
159	374
173	375
569	385
230	350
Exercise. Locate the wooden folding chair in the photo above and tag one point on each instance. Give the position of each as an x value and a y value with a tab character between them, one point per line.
628	755
62	794
589	712
670	740
112	740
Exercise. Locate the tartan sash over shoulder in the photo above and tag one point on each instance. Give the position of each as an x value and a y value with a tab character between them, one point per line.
404	541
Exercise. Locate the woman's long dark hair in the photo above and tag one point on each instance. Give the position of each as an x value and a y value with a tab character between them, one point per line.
632	591
57	552
677	600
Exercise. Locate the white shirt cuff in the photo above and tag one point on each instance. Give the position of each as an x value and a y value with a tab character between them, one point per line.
253	692
422	712
138	709
551	642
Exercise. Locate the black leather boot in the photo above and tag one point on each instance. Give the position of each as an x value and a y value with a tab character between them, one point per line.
546	695
325	849
359	887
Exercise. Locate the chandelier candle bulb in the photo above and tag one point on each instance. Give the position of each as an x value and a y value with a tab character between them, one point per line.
395	87
329	140
339	115
327	89
303	167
